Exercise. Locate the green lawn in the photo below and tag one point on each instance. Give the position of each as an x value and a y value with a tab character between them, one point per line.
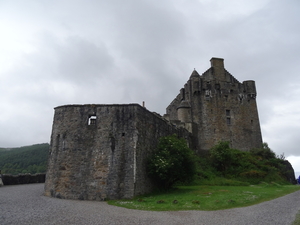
207	197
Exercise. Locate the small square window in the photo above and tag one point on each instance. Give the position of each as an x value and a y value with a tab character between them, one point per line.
92	120
227	112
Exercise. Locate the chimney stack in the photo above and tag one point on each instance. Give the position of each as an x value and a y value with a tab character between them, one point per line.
218	68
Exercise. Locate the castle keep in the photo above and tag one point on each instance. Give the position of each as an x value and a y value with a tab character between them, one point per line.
215	106
100	151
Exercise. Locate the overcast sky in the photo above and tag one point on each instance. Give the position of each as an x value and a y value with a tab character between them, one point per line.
94	51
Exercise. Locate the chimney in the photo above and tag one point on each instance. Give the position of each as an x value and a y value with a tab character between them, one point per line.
217	62
218	68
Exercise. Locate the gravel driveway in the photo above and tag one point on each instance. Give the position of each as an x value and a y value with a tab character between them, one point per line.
25	204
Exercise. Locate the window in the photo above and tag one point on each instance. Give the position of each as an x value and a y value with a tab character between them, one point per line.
227	112
92	120
228	117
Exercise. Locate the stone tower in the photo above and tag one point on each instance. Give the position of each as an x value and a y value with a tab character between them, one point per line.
215	106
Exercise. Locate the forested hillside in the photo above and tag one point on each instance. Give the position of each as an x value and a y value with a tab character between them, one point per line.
28	159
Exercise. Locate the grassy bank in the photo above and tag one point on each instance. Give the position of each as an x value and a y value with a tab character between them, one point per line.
207	197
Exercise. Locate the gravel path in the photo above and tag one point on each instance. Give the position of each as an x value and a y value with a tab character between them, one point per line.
25	204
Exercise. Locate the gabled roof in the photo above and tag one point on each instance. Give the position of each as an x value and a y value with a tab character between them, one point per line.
194	74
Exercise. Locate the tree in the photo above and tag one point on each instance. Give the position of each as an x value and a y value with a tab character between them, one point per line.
172	162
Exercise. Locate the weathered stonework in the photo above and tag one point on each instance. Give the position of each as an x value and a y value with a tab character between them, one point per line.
218	107
100	151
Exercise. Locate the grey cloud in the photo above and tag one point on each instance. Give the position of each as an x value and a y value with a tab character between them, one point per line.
83	61
134	51
284	139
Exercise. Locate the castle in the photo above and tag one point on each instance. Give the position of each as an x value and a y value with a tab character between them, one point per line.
100	151
215	106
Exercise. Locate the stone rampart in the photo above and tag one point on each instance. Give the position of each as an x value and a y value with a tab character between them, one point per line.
8	179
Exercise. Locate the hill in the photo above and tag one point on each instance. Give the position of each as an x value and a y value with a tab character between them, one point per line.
28	159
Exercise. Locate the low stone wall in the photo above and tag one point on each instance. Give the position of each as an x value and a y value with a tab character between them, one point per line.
23	178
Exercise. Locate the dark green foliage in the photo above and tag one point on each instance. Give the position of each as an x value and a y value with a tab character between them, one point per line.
264	153
254	166
225	166
172	162
222	157
229	161
29	159
205	168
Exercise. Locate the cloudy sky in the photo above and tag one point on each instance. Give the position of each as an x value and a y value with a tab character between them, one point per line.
94	51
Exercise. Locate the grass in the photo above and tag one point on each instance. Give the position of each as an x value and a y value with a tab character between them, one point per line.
207	197
297	220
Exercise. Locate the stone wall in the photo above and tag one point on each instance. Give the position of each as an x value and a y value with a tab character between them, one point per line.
8	179
99	151
149	129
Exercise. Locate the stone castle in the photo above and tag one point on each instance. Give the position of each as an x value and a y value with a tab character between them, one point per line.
215	106
100	151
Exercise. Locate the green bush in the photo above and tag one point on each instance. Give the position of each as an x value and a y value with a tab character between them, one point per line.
229	161
263	153
205	169
172	162
251	166
221	156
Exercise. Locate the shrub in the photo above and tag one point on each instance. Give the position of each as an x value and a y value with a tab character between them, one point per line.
254	174
221	155
263	153
172	162
227	160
